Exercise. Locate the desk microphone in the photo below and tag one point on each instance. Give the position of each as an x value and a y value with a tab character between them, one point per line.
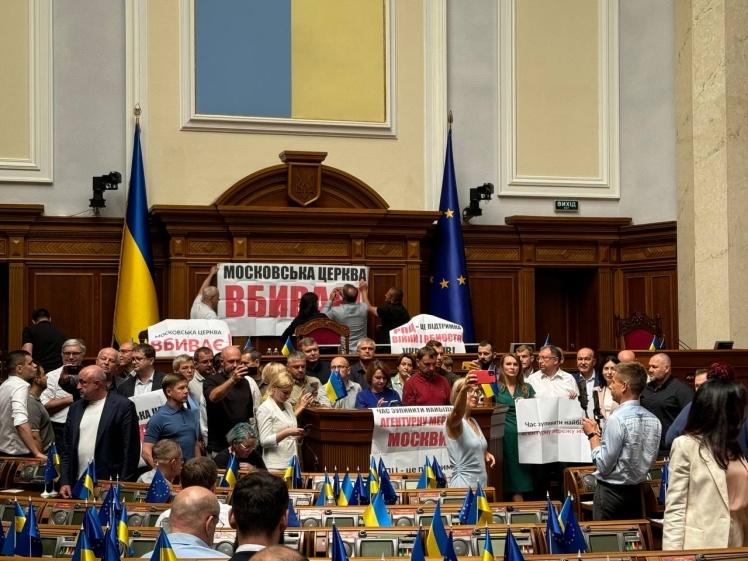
316	459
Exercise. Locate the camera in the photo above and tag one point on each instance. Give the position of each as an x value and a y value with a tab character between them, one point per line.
73	370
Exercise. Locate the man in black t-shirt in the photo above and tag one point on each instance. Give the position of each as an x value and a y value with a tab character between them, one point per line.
392	315
228	399
43	340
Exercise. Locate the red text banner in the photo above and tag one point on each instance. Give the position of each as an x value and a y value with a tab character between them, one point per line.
423	328
263	298
173	337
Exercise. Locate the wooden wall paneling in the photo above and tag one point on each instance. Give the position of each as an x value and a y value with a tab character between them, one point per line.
664	301
380	281
527	305
606	307
17	298
637	294
4	310
495	307
108	297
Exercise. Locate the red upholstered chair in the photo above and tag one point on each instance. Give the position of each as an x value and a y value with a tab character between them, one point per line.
637	331
325	331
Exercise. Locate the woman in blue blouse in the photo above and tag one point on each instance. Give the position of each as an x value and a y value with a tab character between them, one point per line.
377	394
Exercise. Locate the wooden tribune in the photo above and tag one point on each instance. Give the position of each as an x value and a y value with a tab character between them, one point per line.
342	438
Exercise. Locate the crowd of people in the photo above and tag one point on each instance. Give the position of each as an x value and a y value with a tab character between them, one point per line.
231	403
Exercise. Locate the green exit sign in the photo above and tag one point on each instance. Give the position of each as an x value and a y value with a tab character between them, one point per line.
567	206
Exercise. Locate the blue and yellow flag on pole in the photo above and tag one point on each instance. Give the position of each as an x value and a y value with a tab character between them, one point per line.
84	487
287	347
487	554
376	515
480	511
136	307
450	292
512	552
29	541
427	479
346	490
436	540
19	517
416	554
293	474
231	475
335	387
326	494
123	532
163	551
52	469
83	551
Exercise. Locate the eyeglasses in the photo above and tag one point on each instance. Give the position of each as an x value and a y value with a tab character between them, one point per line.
544	358
78	353
475	391
246	448
340	368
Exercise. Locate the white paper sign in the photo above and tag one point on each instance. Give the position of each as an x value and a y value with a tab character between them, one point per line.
423	328
146	405
173	337
550	430
404	436
263	298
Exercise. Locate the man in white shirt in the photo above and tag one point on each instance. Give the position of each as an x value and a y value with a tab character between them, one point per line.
15	432
340	364
550	380
55	399
205	304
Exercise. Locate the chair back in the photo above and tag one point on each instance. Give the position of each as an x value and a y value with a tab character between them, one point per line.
325	331
637	331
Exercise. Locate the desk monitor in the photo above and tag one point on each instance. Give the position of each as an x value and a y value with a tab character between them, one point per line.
8	512
453	500
723	344
519	517
655	473
497	543
604	541
340	520
426	519
376	547
49	546
141	546
410	483
127	495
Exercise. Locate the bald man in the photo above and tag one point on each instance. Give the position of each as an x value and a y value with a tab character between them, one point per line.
205	305
193	520
627	356
108	361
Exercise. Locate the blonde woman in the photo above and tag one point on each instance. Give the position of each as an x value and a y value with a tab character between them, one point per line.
276	420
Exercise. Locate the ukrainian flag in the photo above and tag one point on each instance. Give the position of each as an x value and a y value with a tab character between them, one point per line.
326	493
487	548
231	476
346	490
480	512
163	551
19	517
335	388
84	487
293	474
441	479
123	532
136	307
83	551
373	478
436	541
653	344
376	515
287	347
29	541
427	479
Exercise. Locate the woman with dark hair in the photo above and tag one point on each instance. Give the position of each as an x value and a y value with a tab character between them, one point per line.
707	498
512	388
604	397
404	366
308	310
377	394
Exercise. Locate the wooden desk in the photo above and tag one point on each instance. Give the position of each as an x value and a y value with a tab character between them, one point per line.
342	438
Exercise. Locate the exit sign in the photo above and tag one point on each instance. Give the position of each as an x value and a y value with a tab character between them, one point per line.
567	206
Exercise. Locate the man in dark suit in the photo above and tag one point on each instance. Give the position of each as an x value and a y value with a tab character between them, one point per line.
102	425
587	379
146	378
259	513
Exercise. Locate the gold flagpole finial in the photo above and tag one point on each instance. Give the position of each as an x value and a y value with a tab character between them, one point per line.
137	111
450	119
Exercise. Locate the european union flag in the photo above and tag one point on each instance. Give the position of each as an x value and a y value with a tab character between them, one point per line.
553	532
441	479
335	387
480	512
361	490
52	469
293	520
436	540
83	551
338	549
467	504
416	554
110	506
376	515
385	487
159	491
573	539
84	487
9	545
163	551
29	541
287	347
449	550
136	306
664	482
111	545
231	475
450	292
93	531
512	552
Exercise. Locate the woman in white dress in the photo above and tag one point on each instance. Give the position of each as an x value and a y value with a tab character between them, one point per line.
466	445
604	397
276	420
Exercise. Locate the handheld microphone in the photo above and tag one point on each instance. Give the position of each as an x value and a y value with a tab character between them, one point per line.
596	411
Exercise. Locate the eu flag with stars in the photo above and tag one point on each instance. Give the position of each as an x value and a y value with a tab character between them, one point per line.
159	491
29	541
573	539
52	468
450	292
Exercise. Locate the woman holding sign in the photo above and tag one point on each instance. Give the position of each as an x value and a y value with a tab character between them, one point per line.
512	388
466	445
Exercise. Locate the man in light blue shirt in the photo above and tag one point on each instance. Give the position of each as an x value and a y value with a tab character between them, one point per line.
193	521
627	450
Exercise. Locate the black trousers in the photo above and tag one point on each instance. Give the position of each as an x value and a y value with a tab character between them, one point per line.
59	430
616	502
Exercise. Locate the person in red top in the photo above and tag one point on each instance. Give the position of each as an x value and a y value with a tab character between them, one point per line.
426	387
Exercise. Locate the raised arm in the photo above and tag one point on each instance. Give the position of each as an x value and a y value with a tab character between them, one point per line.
363	288
454	419
207	281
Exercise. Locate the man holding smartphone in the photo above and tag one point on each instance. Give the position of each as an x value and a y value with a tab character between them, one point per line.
231	397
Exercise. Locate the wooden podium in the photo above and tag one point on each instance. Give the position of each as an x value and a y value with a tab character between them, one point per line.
342	438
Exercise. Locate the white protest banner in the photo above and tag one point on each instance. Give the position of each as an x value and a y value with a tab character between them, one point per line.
404	436
263	298
423	328
173	337
146	405
550	430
